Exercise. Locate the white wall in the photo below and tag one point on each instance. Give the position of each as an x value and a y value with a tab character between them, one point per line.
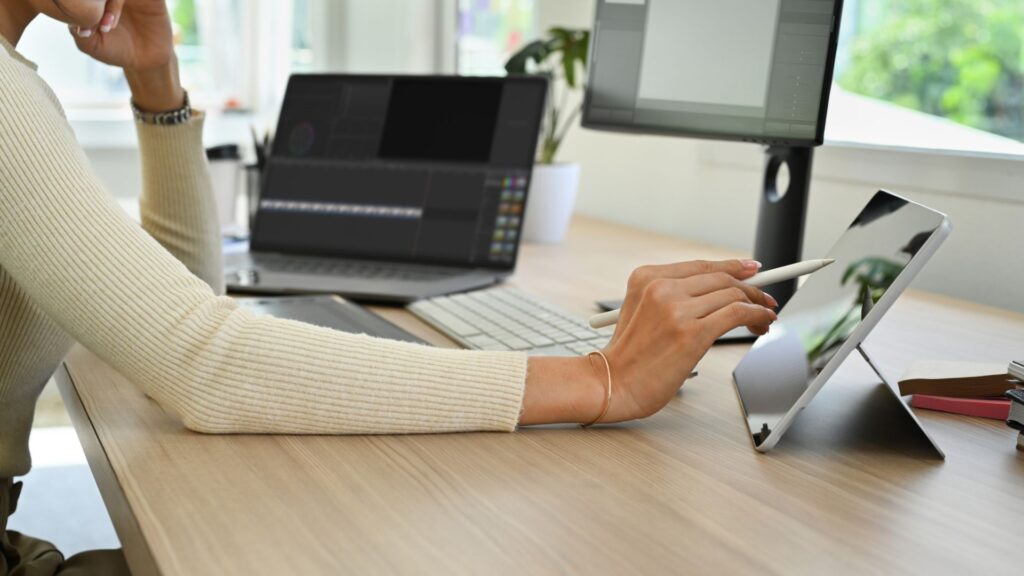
710	192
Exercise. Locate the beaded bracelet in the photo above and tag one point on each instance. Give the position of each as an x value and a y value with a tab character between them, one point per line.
172	118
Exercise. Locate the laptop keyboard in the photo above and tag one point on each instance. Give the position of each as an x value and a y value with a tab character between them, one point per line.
289	264
504	318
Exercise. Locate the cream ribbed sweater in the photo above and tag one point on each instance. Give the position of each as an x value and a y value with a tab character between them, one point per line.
73	266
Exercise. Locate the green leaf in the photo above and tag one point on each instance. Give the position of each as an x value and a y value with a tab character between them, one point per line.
536	51
564	51
569	67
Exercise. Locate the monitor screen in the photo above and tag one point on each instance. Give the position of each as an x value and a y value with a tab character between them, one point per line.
404	168
824	313
749	70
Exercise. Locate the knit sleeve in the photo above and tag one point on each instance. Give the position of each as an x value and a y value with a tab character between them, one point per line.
221	369
177	206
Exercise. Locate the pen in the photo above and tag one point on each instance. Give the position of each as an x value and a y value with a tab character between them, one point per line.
761	279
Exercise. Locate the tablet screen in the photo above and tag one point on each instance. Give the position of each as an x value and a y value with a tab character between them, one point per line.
812	328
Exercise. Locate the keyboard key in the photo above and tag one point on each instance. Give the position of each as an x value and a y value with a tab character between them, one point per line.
485	342
516	343
454	324
539	340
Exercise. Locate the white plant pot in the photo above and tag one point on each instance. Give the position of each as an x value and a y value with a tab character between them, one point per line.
550	202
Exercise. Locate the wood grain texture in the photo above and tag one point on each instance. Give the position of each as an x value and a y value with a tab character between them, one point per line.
848	491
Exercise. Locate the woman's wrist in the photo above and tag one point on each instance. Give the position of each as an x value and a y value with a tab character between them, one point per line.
563	390
156	90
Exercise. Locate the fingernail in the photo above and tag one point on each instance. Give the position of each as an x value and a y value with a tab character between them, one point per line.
752	264
107	23
85	32
771	300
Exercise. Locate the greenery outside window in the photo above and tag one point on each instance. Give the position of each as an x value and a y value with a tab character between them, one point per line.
952	69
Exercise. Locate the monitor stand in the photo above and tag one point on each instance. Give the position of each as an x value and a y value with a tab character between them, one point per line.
780	223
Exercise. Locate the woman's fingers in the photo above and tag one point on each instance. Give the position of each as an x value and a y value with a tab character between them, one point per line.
85	38
735	315
708	304
726	272
709	283
111	15
758	330
81	33
737	268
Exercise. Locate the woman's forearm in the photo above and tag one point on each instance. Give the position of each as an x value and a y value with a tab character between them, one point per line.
177	205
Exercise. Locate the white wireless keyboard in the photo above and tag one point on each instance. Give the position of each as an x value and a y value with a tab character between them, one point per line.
504	318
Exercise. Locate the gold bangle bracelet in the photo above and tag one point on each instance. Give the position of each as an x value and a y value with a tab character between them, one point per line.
608	395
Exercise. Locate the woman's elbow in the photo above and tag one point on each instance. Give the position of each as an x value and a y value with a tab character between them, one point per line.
205	422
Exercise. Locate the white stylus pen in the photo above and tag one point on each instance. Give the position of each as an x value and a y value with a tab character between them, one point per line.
761	279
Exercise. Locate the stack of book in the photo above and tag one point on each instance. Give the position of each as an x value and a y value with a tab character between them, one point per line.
1016	418
970	389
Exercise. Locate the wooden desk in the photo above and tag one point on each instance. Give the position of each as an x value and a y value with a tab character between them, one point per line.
682	492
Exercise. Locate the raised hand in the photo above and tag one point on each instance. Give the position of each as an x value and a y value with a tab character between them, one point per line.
131	34
136	35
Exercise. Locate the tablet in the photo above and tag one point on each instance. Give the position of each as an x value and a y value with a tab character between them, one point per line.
834	310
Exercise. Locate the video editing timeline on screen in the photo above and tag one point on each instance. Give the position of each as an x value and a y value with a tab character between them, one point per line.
425	168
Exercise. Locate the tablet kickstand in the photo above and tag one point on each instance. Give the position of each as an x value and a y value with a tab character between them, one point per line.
864	355
897	398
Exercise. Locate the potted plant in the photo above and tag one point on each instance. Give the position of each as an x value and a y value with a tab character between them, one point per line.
562	57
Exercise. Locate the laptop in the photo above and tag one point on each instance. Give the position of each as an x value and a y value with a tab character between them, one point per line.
393	188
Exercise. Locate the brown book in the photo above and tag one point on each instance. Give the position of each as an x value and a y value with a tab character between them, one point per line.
957	379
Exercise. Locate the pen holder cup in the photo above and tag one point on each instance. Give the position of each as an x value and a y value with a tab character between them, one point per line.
226	172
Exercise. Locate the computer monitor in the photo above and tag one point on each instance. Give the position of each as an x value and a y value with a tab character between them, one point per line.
755	71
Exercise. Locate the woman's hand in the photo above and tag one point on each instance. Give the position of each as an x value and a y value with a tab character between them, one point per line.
670	318
136	35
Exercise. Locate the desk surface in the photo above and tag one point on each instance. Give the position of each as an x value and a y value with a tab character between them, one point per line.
847	491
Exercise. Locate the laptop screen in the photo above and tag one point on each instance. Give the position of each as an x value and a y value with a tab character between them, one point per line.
405	168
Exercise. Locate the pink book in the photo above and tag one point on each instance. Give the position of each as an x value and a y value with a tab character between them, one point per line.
996	409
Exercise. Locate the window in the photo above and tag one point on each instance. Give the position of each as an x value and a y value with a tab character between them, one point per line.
489	31
221	74
931	74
